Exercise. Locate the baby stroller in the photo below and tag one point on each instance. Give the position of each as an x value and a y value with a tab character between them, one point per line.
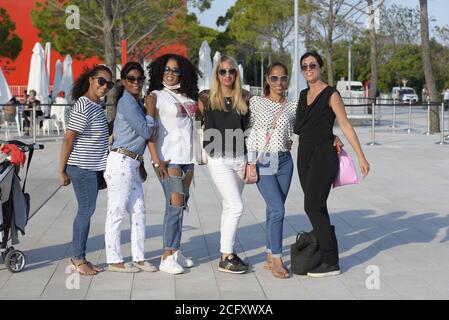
15	206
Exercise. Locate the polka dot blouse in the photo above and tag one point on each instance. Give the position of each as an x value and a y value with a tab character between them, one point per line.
262	114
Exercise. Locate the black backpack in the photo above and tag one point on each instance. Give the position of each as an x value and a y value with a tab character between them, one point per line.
305	253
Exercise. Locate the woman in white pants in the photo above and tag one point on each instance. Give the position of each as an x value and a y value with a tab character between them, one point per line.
133	126
226	117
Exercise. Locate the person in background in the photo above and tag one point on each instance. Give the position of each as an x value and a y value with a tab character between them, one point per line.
31	103
62	103
10	111
446	98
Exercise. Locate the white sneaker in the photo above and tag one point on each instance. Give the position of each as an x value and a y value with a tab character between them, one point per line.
182	260
170	265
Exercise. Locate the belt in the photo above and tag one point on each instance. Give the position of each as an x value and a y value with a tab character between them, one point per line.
128	153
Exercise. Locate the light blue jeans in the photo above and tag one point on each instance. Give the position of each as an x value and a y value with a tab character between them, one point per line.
85	184
275	176
172	229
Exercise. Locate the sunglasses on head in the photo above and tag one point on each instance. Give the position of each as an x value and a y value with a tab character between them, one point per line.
283	79
133	79
102	82
174	71
223	72
311	66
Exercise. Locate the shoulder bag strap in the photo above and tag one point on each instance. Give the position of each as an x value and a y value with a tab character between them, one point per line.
270	131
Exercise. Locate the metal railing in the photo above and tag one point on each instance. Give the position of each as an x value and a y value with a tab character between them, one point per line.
375	106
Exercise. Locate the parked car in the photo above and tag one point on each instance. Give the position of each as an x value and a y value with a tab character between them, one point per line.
404	94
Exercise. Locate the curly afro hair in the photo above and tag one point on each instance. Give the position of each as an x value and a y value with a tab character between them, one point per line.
188	77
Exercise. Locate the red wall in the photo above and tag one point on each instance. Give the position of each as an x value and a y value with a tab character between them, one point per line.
17	71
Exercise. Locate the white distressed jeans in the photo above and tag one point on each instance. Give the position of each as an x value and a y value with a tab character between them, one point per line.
125	196
227	176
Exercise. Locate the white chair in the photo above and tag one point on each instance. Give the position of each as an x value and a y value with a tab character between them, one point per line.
18	126
56	121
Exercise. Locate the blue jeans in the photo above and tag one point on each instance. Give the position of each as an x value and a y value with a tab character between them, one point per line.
172	229
275	175
85	184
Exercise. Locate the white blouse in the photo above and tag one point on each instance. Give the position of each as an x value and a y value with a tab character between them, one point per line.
262	114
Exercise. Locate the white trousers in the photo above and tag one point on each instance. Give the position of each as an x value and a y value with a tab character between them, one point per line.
227	174
125	196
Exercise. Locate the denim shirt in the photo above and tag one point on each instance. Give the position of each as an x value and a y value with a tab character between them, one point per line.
132	128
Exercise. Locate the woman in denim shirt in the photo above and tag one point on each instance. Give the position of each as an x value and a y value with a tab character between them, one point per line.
133	126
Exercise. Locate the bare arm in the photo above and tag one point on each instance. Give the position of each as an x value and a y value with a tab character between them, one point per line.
150	106
66	149
339	109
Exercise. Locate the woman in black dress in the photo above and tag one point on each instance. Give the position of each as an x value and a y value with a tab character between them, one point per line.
318	164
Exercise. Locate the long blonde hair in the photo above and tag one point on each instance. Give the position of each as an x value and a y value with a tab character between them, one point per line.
216	98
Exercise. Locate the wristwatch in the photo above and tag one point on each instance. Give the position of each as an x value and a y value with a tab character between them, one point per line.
155	164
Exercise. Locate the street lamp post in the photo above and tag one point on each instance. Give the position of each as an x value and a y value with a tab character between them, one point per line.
296	58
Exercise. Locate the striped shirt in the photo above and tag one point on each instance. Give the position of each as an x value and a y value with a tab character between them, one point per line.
90	149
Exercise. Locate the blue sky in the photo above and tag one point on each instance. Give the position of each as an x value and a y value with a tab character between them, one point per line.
439	9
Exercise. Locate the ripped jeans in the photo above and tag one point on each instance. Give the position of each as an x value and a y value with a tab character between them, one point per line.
172	228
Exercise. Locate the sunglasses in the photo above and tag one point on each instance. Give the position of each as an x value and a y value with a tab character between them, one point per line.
223	72
283	79
102	82
311	66
133	79
174	71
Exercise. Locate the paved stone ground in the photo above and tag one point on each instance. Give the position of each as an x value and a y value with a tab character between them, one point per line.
397	220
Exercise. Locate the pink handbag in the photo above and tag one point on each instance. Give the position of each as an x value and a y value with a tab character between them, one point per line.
347	173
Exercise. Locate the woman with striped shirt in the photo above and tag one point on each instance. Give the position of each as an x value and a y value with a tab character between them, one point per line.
83	156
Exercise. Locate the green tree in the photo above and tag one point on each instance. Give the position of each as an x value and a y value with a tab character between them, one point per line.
427	66
10	43
145	24
400	23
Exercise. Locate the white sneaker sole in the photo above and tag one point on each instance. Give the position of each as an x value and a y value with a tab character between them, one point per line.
171	271
186	265
229	271
325	274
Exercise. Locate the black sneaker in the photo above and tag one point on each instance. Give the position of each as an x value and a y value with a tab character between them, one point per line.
232	264
240	260
324	270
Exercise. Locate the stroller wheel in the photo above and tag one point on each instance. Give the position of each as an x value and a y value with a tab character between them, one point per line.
4	253
15	261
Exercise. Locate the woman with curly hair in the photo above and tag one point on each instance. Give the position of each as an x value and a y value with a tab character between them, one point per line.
173	93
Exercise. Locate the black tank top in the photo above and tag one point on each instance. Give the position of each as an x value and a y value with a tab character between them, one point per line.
314	123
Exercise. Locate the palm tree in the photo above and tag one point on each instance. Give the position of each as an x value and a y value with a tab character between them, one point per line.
427	66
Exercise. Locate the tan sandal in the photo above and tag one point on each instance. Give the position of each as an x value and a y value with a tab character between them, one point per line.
94	267
280	273
76	267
